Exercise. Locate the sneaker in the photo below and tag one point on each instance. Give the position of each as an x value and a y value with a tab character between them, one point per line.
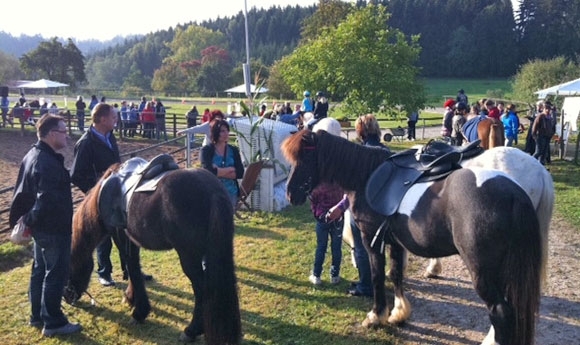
106	281
69	328
315	280
334	280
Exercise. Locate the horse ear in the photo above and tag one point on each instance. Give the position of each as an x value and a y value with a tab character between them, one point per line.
112	209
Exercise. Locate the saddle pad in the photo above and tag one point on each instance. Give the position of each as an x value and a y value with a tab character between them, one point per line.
388	185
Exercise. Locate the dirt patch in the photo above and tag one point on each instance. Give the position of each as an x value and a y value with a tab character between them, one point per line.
448	311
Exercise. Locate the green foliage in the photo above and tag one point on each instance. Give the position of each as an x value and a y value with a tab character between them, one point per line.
540	74
55	61
386	76
9	68
330	14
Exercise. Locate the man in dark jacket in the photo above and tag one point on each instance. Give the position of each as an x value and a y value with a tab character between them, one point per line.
45	181
95	152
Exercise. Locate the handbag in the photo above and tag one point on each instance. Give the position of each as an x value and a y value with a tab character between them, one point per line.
21	234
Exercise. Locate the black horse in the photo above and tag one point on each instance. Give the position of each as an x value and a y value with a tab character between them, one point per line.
188	211
480	214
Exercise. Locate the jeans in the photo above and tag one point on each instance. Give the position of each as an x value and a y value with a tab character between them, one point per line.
104	265
411	129
50	271
323	232
542	148
81	120
364	285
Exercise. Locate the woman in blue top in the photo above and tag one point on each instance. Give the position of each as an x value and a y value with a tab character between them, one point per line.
307	105
223	159
511	125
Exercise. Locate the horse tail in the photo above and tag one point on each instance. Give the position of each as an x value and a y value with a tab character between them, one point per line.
221	310
522	272
544	211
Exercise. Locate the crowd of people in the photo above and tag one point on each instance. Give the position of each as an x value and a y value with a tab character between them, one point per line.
460	123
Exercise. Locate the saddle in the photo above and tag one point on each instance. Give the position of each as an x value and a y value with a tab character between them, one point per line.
390	182
138	175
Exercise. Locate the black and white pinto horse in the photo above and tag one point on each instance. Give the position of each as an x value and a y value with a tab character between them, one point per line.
530	175
481	214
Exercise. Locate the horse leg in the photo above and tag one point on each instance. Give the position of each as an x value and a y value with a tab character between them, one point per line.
434	268
135	294
402	308
192	265
501	314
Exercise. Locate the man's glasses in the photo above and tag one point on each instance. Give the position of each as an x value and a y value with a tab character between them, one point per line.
63	131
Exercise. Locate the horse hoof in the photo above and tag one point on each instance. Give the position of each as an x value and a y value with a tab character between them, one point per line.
373	320
430	275
184	338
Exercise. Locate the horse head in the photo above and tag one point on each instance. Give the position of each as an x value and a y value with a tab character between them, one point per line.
300	150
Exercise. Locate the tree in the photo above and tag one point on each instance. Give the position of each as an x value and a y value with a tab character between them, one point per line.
52	60
188	44
541	74
276	84
363	62
9	68
330	13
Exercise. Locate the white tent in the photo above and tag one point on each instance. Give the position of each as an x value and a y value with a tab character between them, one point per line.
571	88
42	84
242	89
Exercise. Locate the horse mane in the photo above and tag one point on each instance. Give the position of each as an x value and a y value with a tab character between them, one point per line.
86	225
339	160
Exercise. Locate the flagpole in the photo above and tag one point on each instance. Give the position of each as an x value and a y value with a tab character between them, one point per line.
246	66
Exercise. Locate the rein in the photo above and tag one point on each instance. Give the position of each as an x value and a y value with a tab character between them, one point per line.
382	235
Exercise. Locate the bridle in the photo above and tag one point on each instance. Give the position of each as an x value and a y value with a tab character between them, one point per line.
306	186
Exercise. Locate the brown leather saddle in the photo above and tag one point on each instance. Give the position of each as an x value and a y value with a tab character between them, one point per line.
390	182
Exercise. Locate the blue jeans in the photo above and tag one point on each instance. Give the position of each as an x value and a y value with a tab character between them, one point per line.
50	271
323	232
81	120
361	256
542	149
104	265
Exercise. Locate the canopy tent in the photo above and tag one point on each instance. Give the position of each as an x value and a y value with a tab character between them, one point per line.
242	89
570	88
42	84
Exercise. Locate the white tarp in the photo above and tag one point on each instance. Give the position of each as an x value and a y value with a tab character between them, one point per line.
242	89
570	88
42	84
571	109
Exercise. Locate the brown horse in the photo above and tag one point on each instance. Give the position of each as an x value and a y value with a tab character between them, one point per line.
491	133
189	211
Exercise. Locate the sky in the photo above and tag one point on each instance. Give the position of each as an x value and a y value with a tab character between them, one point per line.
105	19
